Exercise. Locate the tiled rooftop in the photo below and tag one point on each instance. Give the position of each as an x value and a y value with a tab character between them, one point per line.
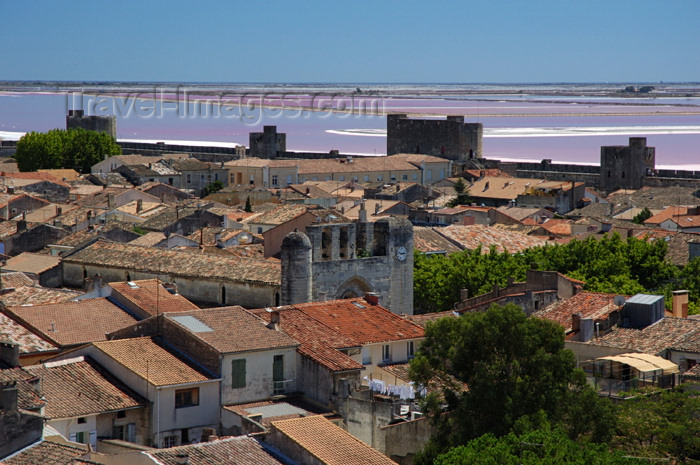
278	215
152	360
46	453
29	343
329	443
150	296
36	295
318	341
596	305
423	319
470	237
339	165
520	213
558	227
240	450
428	240
35	263
170	262
149	239
82	387
28	393
71	323
361	321
14	279
510	188
251	333
668	333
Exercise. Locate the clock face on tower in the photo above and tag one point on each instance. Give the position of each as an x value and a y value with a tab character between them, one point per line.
401	253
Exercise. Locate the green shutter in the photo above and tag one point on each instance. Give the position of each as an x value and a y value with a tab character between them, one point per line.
238	373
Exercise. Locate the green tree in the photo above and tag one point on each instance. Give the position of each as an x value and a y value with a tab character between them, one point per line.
462	197
660	425
248	207
606	265
539	447
77	149
516	370
215	186
642	216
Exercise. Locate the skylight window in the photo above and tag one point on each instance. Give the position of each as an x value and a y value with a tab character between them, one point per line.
192	323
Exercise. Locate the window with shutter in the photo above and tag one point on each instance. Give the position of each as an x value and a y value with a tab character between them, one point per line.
238	373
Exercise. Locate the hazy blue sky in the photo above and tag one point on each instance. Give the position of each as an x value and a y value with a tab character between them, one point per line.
359	41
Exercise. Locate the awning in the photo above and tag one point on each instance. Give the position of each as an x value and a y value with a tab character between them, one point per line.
644	362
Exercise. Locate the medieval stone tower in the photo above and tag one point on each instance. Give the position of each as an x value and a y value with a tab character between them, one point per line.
267	144
624	167
450	138
77	119
343	260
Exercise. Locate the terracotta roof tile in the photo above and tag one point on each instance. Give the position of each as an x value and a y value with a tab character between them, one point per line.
241	450
558	227
152	360
666	214
28	393
278	215
429	240
35	263
152	297
318	341
329	443
71	323
149	239
251	333
668	333
29	343
46	453
596	305
170	262
361	321
470	237
491	172
36	295
14	279
423	319
82	387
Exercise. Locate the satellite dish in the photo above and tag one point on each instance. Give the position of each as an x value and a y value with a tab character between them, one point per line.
619	300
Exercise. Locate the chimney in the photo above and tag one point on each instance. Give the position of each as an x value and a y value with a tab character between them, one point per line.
576	321
182	459
463	294
110	200
362	216
8	400
59	211
372	298
377	208
680	304
209	434
9	354
139	205
274	319
22	225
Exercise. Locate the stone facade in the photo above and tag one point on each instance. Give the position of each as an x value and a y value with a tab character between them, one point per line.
267	144
625	167
77	119
343	260
451	138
